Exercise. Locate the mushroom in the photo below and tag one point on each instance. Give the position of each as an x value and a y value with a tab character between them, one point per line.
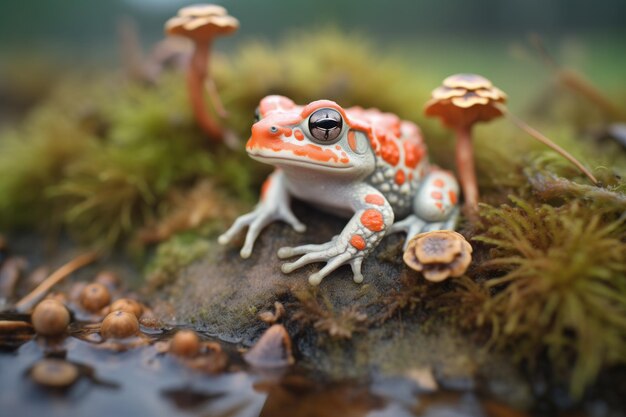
466	99
185	343
438	255
94	297
109	279
129	306
54	373
119	325
50	318
273	350
202	23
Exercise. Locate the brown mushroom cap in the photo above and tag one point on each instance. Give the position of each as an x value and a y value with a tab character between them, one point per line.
50	318
128	305
438	254
185	343
465	99
94	297
55	373
201	22
119	325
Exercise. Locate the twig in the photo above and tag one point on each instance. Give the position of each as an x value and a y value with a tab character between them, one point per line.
57	276
576	81
543	139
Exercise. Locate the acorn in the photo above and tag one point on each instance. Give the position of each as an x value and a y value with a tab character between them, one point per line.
50	318
94	297
119	325
128	305
54	373
185	343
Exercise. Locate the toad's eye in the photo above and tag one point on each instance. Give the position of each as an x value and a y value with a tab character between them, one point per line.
325	125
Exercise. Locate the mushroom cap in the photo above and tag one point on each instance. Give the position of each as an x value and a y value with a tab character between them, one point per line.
201	22
50	318
55	373
465	99
128	305
438	254
94	297
185	343
119	325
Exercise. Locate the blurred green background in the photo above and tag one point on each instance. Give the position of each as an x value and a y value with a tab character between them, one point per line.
38	38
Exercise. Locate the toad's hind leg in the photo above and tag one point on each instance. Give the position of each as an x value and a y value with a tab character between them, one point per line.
434	206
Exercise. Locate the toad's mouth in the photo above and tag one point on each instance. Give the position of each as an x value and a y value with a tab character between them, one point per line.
274	159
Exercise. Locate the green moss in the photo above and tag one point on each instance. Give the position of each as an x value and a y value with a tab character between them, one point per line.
174	255
560	285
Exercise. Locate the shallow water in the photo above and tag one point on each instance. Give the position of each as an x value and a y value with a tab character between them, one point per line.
142	381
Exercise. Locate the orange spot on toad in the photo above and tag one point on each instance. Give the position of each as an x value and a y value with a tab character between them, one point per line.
436	195
358	242
438	183
390	152
373	220
412	154
352	140
452	196
400	177
288	132
299	135
375	199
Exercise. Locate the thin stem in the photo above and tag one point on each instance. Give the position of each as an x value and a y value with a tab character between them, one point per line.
196	74
577	81
543	139
467	173
57	276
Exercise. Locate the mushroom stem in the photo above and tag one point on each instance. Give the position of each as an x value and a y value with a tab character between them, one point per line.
57	276
196	74
543	139
467	173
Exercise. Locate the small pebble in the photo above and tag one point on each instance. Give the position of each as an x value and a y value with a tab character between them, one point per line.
119	325
50	318
54	373
94	297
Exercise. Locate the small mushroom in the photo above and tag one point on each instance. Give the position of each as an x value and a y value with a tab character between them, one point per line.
54	373
109	279
50	318
119	325
185	343
94	297
466	99
462	101
128	305
202	24
438	255
273	350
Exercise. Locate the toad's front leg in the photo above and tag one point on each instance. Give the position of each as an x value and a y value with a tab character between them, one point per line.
274	205
373	216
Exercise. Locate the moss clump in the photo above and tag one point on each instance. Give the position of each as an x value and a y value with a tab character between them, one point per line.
174	255
559	276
